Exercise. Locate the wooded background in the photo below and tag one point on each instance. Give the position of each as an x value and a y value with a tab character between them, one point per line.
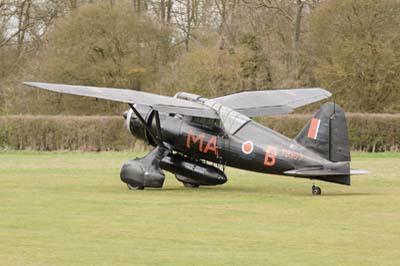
209	47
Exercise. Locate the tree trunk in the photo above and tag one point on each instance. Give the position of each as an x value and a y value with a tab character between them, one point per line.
296	37
162	10
169	11
188	23
23	24
137	5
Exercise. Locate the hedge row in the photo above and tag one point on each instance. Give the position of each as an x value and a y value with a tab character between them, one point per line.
86	133
368	132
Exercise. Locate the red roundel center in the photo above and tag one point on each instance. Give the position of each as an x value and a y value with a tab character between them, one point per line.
247	147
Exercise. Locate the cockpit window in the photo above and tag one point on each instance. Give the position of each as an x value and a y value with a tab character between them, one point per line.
231	121
205	122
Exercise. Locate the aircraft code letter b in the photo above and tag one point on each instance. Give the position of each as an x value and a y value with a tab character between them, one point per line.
270	156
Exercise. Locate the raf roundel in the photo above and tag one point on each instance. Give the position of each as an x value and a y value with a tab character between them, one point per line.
247	147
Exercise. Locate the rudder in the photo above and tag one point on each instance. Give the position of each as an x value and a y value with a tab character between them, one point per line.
327	134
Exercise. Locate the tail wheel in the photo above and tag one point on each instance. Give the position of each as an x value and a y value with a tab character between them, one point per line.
316	190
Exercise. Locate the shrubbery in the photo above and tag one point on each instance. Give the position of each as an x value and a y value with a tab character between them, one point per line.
86	133
368	132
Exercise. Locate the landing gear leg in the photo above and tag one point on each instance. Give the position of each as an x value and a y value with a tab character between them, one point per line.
315	190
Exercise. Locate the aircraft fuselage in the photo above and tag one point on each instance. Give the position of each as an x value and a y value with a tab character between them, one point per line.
253	147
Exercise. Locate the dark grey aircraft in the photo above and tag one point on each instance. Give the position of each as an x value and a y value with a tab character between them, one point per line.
191	134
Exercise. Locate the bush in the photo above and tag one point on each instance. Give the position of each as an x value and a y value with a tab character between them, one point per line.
368	132
86	133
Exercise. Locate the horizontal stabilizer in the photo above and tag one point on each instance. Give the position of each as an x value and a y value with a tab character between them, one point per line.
340	174
359	172
310	172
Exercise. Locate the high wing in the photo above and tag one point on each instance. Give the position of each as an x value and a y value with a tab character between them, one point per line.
271	102
157	102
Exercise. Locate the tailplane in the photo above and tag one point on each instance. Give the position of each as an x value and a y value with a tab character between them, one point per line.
326	134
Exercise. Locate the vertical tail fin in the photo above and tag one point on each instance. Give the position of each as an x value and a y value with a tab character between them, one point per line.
326	134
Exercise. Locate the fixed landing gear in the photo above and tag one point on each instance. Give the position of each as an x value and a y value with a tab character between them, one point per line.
316	190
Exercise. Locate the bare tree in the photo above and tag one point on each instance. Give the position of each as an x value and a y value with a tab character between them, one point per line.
292	12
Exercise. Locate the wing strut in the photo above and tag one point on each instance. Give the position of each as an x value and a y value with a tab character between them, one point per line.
138	115
158	124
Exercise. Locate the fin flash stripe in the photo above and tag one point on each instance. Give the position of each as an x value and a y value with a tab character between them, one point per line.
314	127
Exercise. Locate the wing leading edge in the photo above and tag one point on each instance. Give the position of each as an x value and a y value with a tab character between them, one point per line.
157	102
271	102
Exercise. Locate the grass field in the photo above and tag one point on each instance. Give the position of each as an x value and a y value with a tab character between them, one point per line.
70	208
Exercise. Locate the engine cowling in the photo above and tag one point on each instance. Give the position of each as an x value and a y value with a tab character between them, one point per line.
135	126
192	172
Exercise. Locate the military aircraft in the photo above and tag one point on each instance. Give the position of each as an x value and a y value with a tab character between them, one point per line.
195	137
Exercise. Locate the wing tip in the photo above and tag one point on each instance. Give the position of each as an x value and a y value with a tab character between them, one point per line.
31	83
325	91
359	172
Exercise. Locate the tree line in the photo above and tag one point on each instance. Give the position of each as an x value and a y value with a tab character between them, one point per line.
208	47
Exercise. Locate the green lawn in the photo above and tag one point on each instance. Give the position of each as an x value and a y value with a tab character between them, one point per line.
70	208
